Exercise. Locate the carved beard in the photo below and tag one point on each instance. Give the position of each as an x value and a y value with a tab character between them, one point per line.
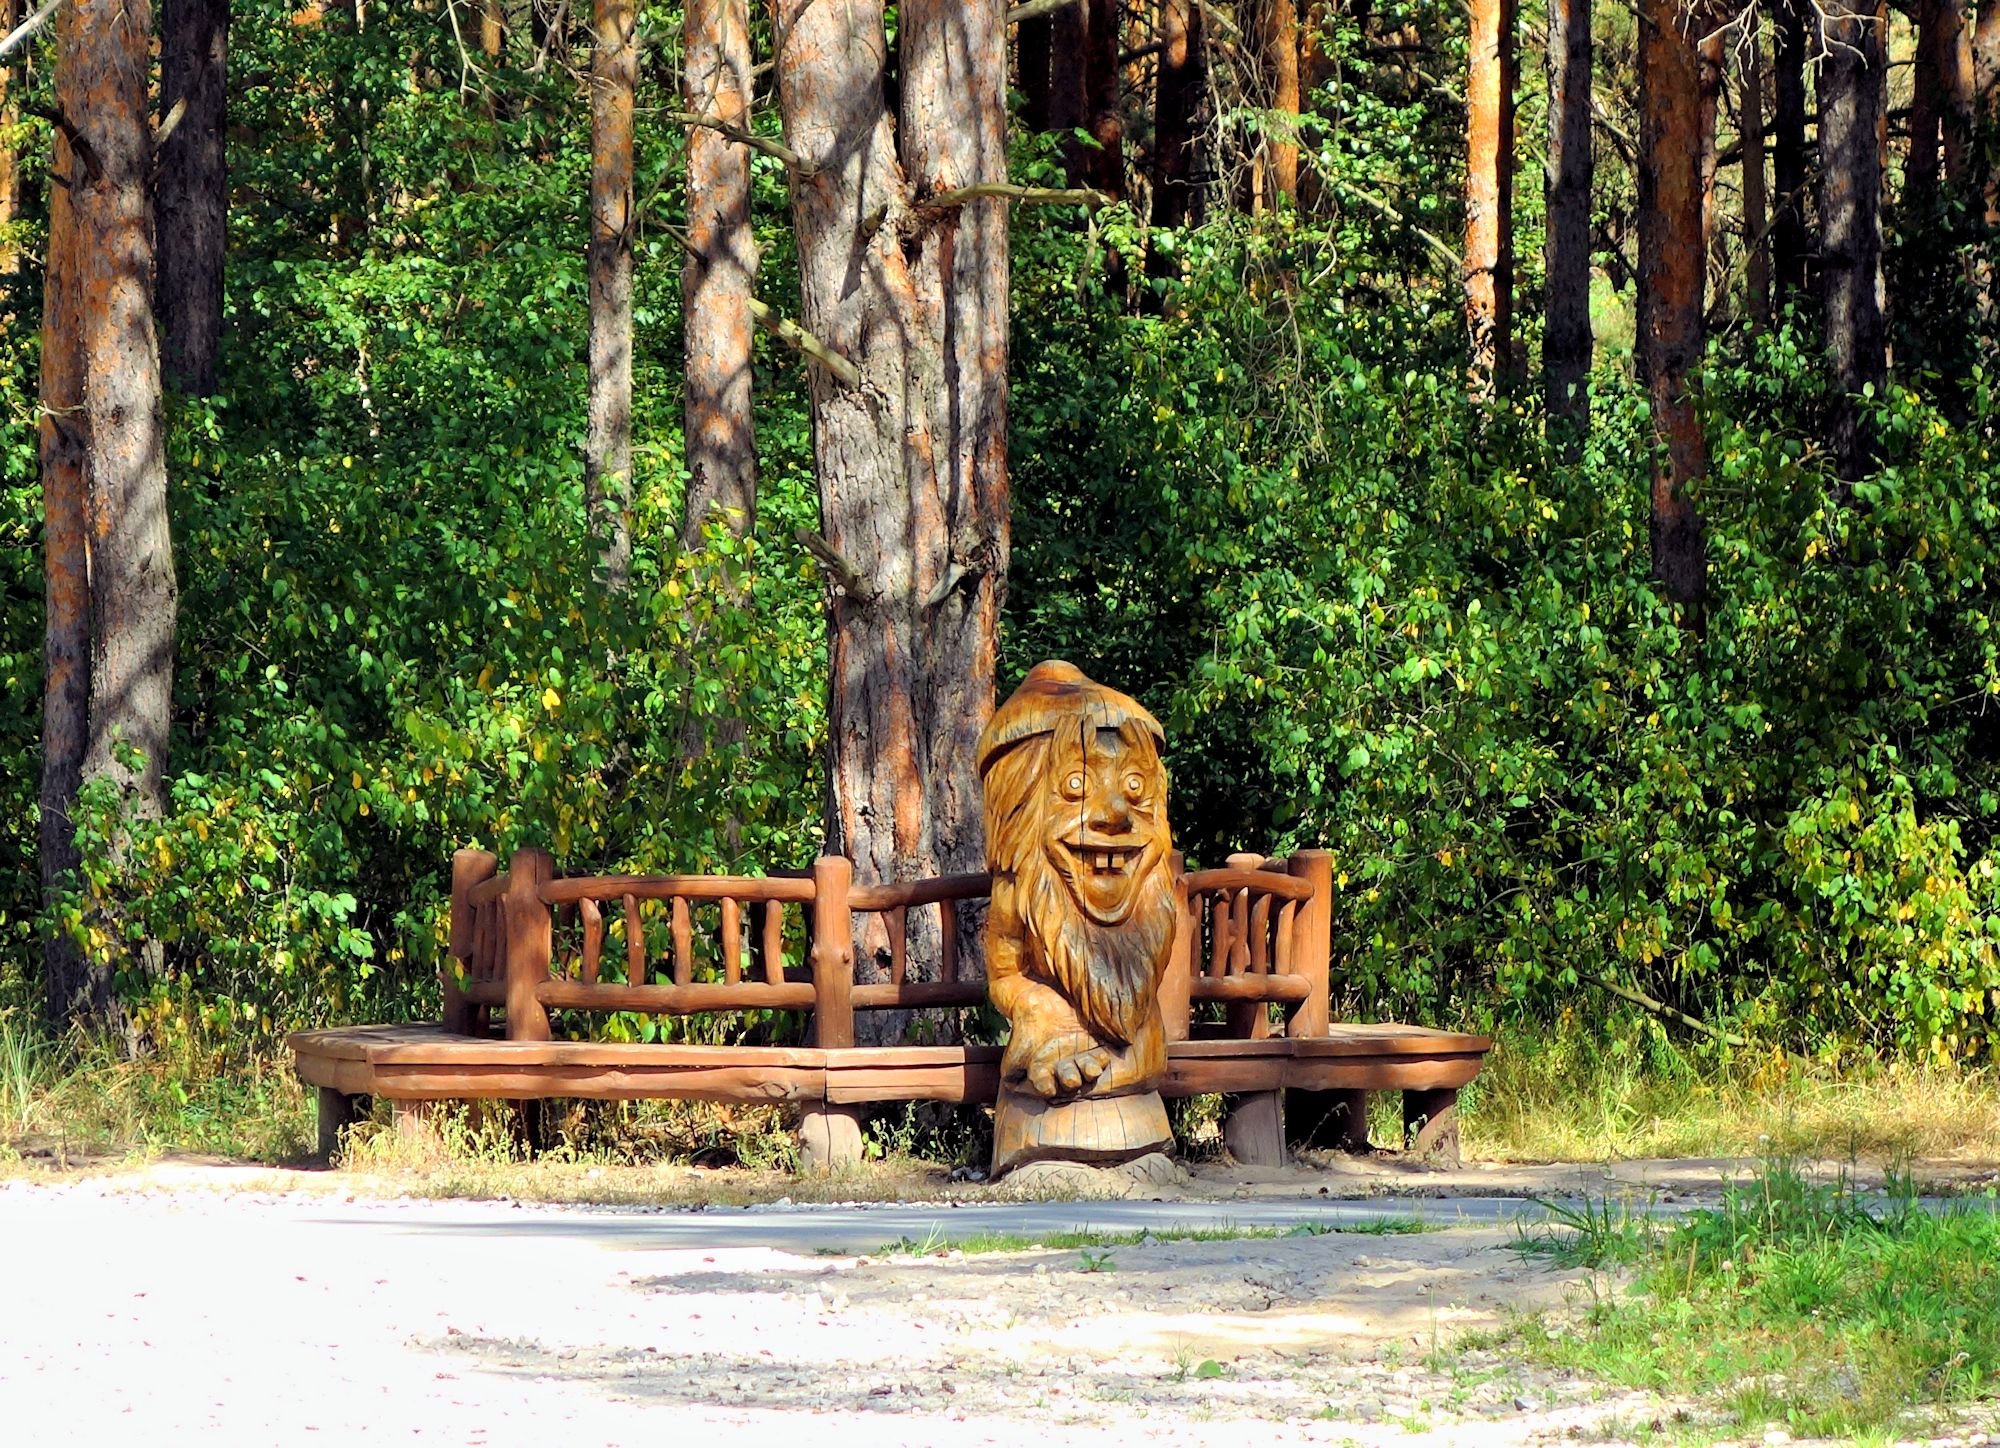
1110	973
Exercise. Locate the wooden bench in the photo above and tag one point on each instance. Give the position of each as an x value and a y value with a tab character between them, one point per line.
528	943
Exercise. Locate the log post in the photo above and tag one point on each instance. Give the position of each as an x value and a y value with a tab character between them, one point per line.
1248	1020
829	1135
468	868
1254	1130
530	944
1177	985
1430	1125
1313	953
336	1113
1330	1120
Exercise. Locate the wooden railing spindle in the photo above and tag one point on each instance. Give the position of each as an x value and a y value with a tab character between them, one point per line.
732	941
774	942
899	944
683	942
593	937
948	939
635	943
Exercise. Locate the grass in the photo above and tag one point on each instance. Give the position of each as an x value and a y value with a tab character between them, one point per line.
1568	1094
1091	1241
1798	1304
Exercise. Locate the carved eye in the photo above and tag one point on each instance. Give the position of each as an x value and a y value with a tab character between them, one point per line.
1134	785
1073	786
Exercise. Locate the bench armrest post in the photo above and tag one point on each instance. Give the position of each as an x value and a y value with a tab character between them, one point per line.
833	952
468	868
1313	945
1177	985
530	944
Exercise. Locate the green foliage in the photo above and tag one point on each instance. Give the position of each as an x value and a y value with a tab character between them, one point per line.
1806	1304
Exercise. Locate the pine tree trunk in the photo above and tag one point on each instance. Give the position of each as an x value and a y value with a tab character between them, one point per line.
1182	82
1956	82
1069	102
912	463
607	463
1566	343
1489	197
105	63
1033	45
1278	59
1709	77
1671	283
1986	56
1103	95
1920	166
73	988
193	194
717	273
1850	118
493	30
1791	248
1756	203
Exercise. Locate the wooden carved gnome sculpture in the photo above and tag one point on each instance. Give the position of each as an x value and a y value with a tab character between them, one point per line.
1082	921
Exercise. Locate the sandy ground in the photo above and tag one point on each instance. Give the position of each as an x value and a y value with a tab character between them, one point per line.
134	1311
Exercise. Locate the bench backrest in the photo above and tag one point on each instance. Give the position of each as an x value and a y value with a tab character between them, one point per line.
1255	932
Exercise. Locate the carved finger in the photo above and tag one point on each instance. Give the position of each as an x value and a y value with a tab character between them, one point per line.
1069	1077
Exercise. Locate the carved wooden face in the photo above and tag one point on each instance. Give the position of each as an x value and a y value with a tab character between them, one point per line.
1105	816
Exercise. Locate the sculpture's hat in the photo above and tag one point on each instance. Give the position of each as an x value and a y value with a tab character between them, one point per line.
1056	691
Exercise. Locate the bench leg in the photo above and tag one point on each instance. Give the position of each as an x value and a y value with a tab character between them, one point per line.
1254	1130
413	1120
337	1112
829	1139
1430	1125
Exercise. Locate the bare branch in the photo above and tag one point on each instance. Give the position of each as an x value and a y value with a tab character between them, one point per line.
755	142
844	575
805	343
170	124
26	29
1036	9
1383	209
1006	191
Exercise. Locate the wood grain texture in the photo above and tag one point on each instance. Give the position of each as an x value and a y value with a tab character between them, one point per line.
1095	1129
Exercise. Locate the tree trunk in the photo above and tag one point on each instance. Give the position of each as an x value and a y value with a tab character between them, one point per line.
1103	95
1756	203
1566	340
1033	50
1278	59
1671	282
1489	197
193	191
1182	83
104	48
717	273
1791	249
10	168
1069	104
493	30
1955	74
912	463
1708	69
1850	117
607	461
1986	56
74	987
1920	166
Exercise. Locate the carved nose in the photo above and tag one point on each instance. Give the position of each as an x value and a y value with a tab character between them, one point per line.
1110	819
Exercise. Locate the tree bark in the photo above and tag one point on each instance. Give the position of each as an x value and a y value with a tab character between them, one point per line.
1708	66
493	30
1850	118
607	463
1756	202
1920	166
1489	197
193	194
717	273
1566	342
1958	106
1033	51
1181	85
1791	248
103	73
1069	104
10	168
1104	168
73	987
1278	59
1671	283
912	463
1986	56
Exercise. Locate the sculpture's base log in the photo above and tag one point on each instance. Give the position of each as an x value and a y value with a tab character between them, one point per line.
829	1139
1430	1121
1328	1120
1254	1130
1099	1130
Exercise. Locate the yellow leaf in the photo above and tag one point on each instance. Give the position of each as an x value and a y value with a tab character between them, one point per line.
1444	858
357	779
551	700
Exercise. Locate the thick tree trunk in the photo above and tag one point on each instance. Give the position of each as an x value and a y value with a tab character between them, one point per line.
1104	166
1566	339
1278	60
1671	283
1850	118
1183	81
1069	101
1033	45
1986	56
717	273
1920	166
607	460
1791	248
104	47
1489	196
1756	200
912	462
193	191
73	988
1956	76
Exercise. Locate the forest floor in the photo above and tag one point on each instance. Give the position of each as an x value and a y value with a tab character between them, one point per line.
184	1300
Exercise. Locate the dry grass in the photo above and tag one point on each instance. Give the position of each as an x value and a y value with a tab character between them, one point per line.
1568	1097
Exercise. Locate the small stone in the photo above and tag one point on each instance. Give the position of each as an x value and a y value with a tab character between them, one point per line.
1776	1436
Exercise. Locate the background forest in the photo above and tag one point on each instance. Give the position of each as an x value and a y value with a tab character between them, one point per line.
1721	741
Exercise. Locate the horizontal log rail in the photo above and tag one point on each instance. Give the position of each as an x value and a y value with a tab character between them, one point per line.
746	888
